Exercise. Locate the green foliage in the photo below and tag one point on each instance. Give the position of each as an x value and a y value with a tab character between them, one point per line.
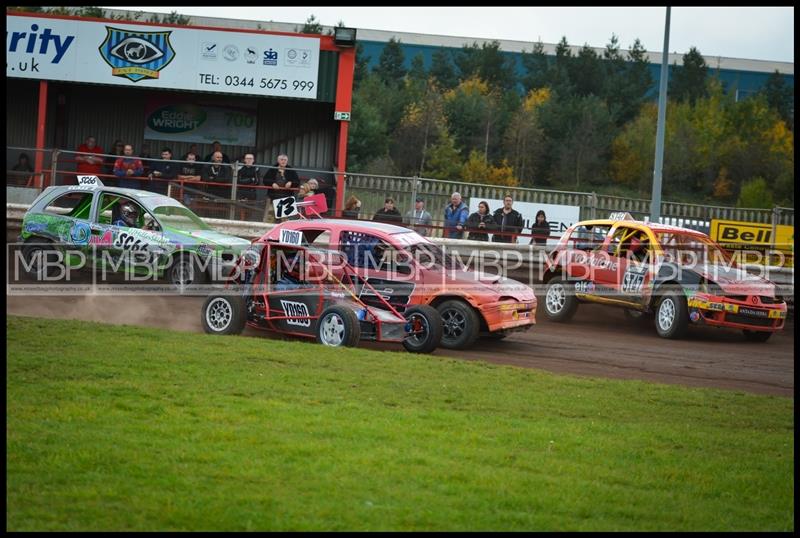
361	69
173	18
443	159
417	70
311	26
780	97
191	432
537	65
756	194
442	69
487	63
688	82
390	65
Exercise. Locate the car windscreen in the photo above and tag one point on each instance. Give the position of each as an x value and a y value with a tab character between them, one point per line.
690	249
428	254
179	217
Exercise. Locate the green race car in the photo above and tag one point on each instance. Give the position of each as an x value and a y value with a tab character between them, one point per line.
131	231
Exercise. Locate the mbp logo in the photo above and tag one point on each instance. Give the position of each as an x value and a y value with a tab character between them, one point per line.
136	55
296	310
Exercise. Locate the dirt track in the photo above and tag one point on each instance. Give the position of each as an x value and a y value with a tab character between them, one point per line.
599	341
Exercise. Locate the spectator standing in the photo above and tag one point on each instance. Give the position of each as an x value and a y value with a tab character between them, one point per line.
418	218
508	222
352	208
388	213
217	148
281	178
480	222
128	167
146	157
249	177
23	168
540	229
192	149
89	161
455	217
189	171
218	172
163	170
117	151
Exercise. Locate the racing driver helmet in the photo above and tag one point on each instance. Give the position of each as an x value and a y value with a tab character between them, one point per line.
129	213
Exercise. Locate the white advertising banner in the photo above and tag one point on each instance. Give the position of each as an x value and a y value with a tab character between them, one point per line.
560	217
178	120
155	56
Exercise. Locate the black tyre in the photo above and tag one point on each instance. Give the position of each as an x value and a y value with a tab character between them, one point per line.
756	336
34	254
184	271
426	329
460	324
560	302
224	314
338	326
672	314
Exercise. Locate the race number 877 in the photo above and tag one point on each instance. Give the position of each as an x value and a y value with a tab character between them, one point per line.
284	207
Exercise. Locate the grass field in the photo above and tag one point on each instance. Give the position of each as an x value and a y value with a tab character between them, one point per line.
127	428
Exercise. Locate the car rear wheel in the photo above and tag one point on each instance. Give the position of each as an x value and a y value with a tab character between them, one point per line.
35	253
224	314
560	303
338	326
185	271
756	336
672	315
460	324
425	332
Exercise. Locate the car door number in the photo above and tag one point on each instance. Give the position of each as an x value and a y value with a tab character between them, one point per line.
632	282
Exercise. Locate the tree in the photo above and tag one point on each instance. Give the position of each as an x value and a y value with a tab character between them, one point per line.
442	69
390	65
633	152
312	26
417	129
417	70
780	97
755	194
559	73
524	138
443	159
488	63
586	72
536	65
361	69
688	83
368	135
468	108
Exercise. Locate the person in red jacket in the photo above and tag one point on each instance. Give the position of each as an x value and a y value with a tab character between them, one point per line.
89	160
128	167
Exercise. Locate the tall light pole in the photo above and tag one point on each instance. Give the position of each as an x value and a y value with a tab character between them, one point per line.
655	203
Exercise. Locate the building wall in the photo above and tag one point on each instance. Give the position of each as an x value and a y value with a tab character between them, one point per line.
303	129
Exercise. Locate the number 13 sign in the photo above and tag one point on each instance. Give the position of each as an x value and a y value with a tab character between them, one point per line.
285	207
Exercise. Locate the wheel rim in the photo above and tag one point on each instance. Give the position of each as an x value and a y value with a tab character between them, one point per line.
219	314
666	314
182	274
332	330
420	329
454	323
556	297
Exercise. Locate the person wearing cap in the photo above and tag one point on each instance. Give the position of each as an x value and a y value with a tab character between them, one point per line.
388	213
418	219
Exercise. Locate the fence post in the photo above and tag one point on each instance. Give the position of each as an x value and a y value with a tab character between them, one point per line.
776	215
53	168
593	204
235	180
413	191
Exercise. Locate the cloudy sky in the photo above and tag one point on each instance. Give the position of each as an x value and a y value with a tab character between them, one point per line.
761	33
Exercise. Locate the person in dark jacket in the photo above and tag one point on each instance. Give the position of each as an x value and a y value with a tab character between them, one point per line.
281	177
248	177
540	229
389	213
508	222
479	223
218	172
161	171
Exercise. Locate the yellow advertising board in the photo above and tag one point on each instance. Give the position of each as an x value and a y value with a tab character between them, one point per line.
737	235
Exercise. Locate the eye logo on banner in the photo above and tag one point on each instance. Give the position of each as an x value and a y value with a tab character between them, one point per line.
136	55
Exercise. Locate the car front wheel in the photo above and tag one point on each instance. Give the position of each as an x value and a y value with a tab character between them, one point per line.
560	302
460	324
672	317
425	326
224	314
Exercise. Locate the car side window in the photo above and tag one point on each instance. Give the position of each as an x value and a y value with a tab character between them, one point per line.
109	212
588	238
72	204
317	238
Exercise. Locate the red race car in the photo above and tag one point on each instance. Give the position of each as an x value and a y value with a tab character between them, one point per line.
407	269
288	288
677	275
